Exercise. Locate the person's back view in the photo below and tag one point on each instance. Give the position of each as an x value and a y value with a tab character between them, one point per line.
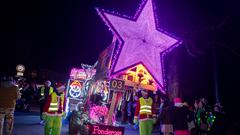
180	118
9	93
166	121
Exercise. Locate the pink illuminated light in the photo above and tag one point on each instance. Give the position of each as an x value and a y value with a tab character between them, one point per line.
141	41
77	73
98	111
98	131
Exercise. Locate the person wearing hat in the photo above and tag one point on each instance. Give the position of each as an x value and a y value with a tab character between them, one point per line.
180	117
53	111
44	92
145	114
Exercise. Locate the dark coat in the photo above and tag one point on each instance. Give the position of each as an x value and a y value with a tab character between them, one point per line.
166	115
180	118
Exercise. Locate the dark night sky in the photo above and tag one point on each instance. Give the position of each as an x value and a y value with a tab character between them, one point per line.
60	34
57	34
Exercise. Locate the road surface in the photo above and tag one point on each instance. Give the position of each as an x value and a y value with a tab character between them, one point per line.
28	124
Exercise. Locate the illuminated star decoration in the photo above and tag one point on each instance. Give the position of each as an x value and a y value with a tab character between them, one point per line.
141	42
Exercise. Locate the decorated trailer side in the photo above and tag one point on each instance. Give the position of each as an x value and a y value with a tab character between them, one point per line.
75	88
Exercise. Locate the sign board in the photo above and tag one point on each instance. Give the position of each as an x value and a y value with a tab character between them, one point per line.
20	68
19	73
116	84
78	74
72	104
105	130
75	89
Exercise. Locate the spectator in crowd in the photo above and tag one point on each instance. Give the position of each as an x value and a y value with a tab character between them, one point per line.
180	118
201	115
162	104
34	91
165	118
130	112
26	96
9	93
191	122
156	103
123	109
218	121
136	98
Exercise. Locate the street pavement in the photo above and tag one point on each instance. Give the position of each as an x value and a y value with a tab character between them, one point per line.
28	124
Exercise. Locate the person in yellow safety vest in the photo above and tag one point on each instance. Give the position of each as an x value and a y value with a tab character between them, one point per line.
44	92
53	111
145	114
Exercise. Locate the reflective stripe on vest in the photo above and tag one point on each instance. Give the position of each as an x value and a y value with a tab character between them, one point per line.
62	100
55	102
145	105
43	88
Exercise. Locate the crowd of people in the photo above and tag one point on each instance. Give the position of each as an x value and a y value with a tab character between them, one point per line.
29	95
174	117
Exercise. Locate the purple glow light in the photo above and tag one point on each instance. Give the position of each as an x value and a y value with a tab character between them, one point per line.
77	73
141	41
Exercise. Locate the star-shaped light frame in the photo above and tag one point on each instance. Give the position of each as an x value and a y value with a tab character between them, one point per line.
141	41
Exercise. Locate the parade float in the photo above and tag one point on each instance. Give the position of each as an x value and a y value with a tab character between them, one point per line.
78	85
133	61
136	55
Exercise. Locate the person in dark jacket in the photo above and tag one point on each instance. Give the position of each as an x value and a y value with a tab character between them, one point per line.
180	118
165	119
218	127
